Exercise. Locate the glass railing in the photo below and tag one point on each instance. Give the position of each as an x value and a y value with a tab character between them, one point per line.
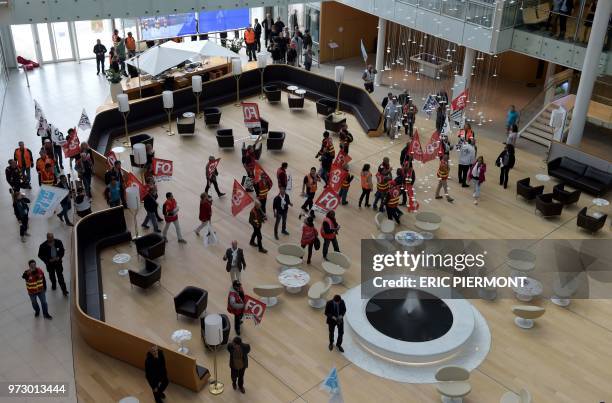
478	12
554	89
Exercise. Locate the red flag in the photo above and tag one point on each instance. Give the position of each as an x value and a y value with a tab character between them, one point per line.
415	147
258	171
73	146
413	205
432	149
342	158
328	200
211	167
255	308
336	177
250	111
240	198
460	102
132	180
110	158
162	169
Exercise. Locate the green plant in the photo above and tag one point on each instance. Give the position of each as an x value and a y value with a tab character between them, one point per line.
113	76
236	45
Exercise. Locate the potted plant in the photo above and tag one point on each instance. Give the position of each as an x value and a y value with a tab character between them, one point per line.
113	75
236	45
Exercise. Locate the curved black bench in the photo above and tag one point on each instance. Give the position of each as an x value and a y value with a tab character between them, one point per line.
149	112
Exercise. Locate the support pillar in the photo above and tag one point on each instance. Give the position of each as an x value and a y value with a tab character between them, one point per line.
589	72
380	50
550	72
463	81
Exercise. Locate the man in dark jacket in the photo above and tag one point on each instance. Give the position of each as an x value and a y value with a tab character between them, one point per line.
100	52
280	205
14	177
334	311
51	253
150	205
156	374
118	175
256	219
267	28
238	362
257	29
234	257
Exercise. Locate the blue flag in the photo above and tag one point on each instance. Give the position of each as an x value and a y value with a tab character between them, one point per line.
431	104
332	385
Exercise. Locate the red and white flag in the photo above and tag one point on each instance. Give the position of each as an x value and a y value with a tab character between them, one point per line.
111	157
432	149
258	172
132	180
250	111
336	176
459	103
328	200
240	198
413	204
73	146
342	159
415	147
254	308
211	167
162	169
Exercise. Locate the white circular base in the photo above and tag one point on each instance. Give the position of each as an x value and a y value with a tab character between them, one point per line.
317	303
523	323
336	279
129	399
183	350
487	294
122	272
562	302
271	301
446	399
293	290
524	298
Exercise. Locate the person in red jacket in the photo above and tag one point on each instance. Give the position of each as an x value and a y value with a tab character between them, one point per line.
476	174
37	287
235	304
329	232
170	211
256	219
211	177
281	176
310	236
205	213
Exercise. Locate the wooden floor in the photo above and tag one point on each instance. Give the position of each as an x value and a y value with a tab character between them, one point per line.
565	358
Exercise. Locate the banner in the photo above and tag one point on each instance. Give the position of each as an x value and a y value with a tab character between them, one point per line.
211	167
72	147
328	200
38	112
430	105
43	126
254	308
342	159
250	111
413	205
460	102
240	198
57	137
336	177
132	180
415	147
84	122
364	53
258	172
432	149
110	158
49	197
162	169
446	129
331	384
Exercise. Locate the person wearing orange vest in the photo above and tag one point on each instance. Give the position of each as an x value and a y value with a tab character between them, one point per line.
467	133
24	159
382	187
345	137
235	304
329	232
366	185
251	45
36	286
327	146
130	45
262	187
408	178
256	219
170	210
41	163
309	188
443	172
47	176
281	175
346	184
310	236
392	202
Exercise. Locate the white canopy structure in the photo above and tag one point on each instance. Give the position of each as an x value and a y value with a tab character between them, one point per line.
201	48
159	59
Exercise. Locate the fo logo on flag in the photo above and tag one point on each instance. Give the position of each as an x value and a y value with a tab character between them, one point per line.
162	169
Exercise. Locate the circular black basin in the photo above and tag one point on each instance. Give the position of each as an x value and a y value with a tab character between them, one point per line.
409	315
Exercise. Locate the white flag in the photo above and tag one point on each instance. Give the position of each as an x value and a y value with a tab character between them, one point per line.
38	112
84	122
43	126
364	53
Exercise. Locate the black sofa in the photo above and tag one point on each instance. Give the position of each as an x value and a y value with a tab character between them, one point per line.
149	112
325	106
191	302
146	277
580	176
273	92
94	233
275	140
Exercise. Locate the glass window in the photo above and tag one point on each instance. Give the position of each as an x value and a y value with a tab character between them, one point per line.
454	8
433	5
312	22
45	42
259	13
24	41
298	18
509	16
480	14
87	32
61	38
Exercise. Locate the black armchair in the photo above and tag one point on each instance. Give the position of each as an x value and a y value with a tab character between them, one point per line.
547	206
326	106
332	124
295	102
186	125
225	138
262	129
148	276
273	93
590	223
191	302
150	246
275	140
525	190
565	197
212	116
141	138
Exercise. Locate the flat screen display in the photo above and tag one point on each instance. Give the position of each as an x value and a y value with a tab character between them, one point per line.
167	26
223	20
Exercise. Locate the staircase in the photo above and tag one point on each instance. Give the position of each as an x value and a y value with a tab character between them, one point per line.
538	129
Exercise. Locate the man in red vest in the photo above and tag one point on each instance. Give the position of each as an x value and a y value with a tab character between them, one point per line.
235	304
329	232
170	210
36	286
251	45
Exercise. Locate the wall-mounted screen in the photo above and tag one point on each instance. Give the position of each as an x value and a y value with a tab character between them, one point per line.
167	26
223	20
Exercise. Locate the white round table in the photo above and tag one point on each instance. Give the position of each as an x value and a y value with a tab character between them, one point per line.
600	202
129	399
119	259
300	92
542	177
426	235
118	149
292	88
293	280
188	115
530	289
409	238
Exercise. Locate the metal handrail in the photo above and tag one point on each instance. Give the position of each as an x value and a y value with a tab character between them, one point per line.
538	102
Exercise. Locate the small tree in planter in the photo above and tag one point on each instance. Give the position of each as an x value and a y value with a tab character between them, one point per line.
236	45
113	75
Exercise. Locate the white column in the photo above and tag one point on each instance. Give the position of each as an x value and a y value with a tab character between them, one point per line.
380	50
463	81
589	72
550	72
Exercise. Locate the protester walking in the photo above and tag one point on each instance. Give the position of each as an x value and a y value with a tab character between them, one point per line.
100	52
21	210
345	185
335	309
205	214
36	286
211	177
477	177
366	185
238	362
66	203
156	373
150	205
368	78
310	237
309	188
505	161
235	304
467	153
256	219
170	210
23	157
443	173
329	232
51	252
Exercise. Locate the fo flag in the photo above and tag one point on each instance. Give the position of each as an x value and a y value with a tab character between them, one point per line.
432	149
460	102
240	198
328	200
132	180
342	159
250	111
415	147
336	176
84	122
73	146
162	169
211	168
254	308
43	126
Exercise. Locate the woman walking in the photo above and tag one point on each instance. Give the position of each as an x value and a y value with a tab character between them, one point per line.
205	214
443	172
477	176
310	236
21	210
505	162
366	185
